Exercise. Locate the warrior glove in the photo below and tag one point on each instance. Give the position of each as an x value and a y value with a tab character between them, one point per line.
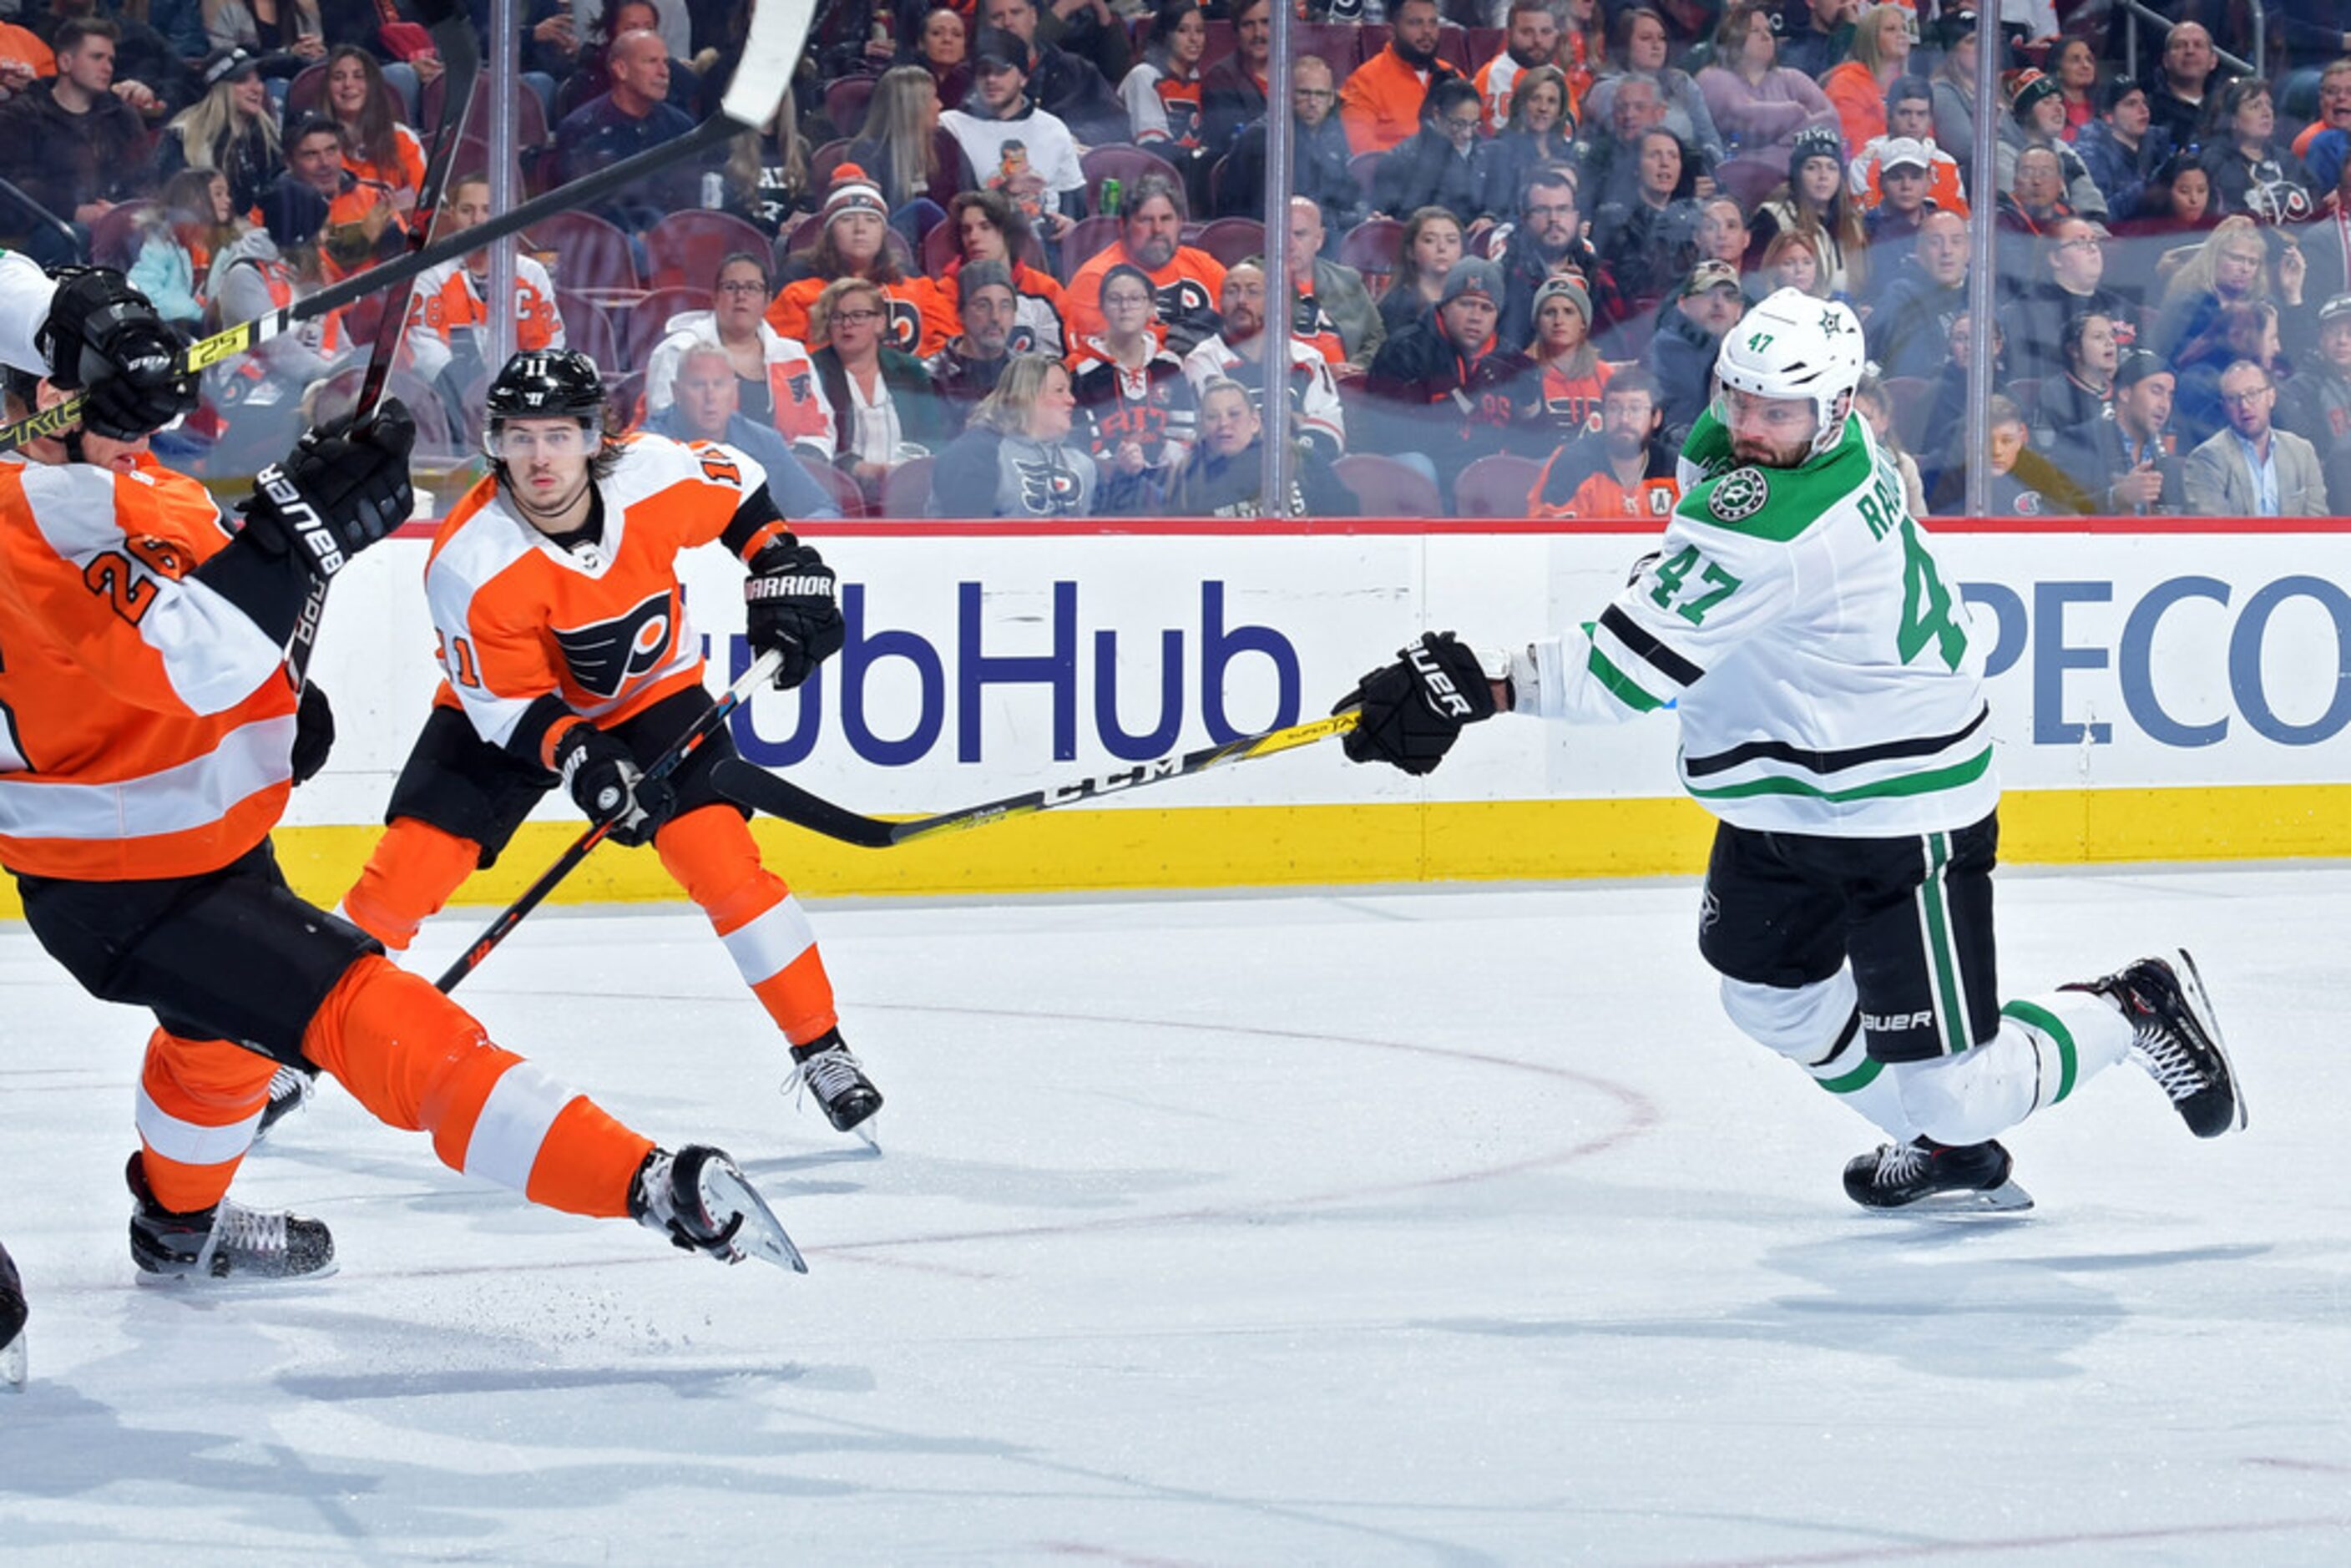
790	607
609	786
103	338
1413	710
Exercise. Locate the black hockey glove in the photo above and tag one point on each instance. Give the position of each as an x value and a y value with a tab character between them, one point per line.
339	490
1413	710
313	732
789	602
607	783
104	337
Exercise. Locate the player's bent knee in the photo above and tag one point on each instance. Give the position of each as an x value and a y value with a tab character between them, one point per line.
712	855
1961	1099
1803	1023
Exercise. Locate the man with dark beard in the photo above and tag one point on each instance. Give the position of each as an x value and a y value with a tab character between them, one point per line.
1380	105
1548	240
1624	469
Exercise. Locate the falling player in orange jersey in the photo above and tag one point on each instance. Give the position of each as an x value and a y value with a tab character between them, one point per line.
151	741
554	593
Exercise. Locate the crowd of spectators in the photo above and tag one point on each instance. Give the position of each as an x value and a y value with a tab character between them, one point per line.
1004	257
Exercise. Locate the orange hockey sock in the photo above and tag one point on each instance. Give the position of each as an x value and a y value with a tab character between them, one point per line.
200	1102
419	1060
414	870
712	856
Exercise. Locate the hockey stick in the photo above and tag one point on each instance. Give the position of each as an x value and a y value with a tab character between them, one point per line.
761	790
461	61
714	719
771	54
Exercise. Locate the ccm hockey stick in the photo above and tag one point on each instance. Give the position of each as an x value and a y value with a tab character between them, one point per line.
761	672
461	63
770	55
761	790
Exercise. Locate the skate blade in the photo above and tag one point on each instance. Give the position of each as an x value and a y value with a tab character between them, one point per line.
247	1281
726	1190
2006	1199
2199	1003
14	1360
864	1131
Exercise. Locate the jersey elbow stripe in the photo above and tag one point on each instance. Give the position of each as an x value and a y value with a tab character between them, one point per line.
1645	644
513	1123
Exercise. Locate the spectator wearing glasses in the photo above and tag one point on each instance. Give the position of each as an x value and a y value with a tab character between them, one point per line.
1319	152
779	387
2074	254
968	368
1446	164
884	409
1622	468
1138	407
1547	240
2324	144
2251	468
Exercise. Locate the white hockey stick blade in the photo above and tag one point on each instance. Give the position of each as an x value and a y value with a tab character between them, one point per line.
726	1190
772	53
12	1362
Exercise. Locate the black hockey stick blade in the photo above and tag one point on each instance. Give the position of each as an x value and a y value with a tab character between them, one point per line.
767	792
713	719
780	31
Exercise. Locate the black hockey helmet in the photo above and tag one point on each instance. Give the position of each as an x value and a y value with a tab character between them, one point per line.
549	383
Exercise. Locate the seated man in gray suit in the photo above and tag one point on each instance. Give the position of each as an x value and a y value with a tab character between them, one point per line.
2251	469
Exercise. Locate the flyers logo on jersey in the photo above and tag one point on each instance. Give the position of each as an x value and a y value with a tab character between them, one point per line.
604	658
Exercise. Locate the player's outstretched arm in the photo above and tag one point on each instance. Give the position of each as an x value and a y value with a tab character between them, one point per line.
1412	711
342	488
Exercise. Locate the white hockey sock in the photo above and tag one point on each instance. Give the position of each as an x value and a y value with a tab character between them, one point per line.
1818	1028
2045	1049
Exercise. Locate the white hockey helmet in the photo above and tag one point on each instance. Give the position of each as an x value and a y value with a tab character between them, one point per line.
1795	346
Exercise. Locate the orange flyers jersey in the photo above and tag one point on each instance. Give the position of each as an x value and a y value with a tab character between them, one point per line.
406	170
916	326
146	724
445	301
602	627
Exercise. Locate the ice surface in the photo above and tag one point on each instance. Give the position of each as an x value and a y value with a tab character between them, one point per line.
1422	1228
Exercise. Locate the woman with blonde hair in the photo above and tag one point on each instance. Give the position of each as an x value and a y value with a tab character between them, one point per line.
1015	458
2232	267
898	146
232	128
1881	53
886	411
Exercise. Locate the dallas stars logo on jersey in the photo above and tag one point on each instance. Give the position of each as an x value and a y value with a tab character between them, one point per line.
1739	494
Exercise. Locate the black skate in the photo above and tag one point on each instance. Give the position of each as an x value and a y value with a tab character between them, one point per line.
1923	1176
226	1241
826	1068
703	1203
2176	1036
12	1323
290	1088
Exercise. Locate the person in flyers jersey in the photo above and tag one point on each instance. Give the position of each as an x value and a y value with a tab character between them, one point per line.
145	667
554	593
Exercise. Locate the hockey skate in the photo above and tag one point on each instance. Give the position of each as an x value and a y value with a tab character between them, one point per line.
685	1196
290	1088
825	1068
226	1241
1923	1177
12	1323
2176	1036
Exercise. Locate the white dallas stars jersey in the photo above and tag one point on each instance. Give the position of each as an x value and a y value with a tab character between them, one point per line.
1823	669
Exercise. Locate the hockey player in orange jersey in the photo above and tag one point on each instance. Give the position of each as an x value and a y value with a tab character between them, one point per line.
152	742
562	635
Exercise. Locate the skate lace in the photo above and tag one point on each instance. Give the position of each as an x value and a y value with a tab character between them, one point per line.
2168	1060
252	1233
828	1074
1899	1163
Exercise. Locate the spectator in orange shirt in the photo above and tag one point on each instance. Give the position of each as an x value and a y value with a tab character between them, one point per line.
855	243
1187	282
377	149
23	58
1881	55
1531	40
362	226
1624	469
1380	105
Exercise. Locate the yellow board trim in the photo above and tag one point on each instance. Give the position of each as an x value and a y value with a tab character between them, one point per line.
1090	849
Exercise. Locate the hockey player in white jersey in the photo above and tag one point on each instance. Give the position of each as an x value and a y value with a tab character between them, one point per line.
1829	689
